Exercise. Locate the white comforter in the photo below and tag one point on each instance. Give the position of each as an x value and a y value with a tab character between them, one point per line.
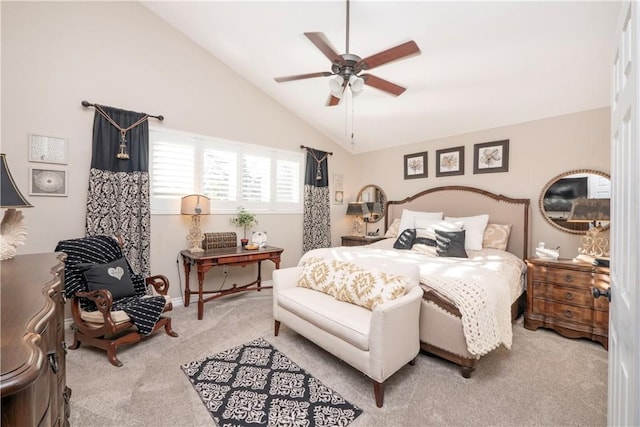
482	286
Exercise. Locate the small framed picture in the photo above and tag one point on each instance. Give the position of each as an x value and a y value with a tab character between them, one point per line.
47	149
491	157
338	197
47	182
415	165
450	161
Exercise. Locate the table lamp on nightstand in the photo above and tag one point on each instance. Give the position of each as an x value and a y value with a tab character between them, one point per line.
195	205
595	211
358	210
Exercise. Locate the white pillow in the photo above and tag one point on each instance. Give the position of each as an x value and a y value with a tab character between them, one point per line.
427	228
408	219
474	225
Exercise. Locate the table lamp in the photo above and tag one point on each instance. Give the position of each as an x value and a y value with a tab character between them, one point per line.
359	210
13	230
195	205
594	211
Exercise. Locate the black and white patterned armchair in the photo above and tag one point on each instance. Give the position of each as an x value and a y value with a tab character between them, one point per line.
111	305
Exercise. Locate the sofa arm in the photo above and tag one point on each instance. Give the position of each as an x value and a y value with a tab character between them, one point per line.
284	278
394	334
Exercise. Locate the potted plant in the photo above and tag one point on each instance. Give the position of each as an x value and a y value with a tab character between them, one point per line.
244	219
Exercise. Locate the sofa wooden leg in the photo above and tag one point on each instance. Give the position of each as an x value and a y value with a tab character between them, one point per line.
276	328
466	371
378	391
412	362
167	328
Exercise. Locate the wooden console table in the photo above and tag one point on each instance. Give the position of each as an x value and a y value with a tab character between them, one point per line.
238	256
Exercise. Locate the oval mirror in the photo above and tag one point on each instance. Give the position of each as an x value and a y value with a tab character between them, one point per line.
557	196
375	200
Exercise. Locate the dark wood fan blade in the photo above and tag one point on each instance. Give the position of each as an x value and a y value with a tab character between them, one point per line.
332	101
401	51
322	43
383	84
302	76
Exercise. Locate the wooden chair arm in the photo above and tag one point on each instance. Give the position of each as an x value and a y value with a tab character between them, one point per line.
103	301
159	282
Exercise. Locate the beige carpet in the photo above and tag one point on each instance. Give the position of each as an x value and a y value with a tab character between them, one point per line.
544	380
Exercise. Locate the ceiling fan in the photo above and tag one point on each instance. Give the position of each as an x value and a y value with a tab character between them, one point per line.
348	68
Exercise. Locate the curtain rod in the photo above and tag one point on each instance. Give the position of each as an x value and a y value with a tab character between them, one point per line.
88	104
309	148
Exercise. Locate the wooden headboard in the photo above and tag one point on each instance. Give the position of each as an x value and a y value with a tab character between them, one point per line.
459	201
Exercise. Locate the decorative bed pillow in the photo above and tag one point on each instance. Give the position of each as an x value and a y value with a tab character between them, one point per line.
427	228
113	277
393	229
405	239
496	236
408	219
474	226
451	244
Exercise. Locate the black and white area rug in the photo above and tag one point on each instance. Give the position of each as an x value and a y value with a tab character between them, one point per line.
255	385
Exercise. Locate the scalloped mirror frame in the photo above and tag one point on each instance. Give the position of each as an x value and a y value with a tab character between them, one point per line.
383	198
551	182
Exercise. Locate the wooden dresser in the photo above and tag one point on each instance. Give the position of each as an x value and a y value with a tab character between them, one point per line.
32	381
559	297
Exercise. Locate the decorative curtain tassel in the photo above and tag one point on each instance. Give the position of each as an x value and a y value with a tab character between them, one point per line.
123	155
319	174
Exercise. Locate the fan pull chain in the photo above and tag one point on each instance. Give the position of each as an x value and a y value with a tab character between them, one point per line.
122	154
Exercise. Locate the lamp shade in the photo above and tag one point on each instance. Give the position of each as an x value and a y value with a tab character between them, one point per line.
195	204
356	83
356	208
10	195
335	85
588	210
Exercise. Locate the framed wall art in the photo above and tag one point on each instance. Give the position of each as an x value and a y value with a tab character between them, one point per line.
450	162
415	165
338	197
47	182
47	149
491	157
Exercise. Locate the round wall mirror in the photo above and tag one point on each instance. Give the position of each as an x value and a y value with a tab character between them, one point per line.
375	200
557	196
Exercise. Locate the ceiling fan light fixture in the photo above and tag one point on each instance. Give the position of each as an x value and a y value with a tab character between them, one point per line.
356	83
335	85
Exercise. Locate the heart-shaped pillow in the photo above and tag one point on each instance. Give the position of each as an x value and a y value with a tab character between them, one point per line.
115	272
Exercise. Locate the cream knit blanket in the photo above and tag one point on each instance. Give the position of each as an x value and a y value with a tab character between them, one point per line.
482	287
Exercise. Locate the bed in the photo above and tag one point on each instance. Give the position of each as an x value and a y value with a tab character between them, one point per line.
459	328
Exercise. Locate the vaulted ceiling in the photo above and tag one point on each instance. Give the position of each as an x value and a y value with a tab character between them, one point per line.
482	64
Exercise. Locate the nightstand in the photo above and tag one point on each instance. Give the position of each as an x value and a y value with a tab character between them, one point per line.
559	297
359	240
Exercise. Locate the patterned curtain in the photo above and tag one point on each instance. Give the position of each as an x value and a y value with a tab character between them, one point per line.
317	227
118	201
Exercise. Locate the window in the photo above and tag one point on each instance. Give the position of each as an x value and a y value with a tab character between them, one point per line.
232	174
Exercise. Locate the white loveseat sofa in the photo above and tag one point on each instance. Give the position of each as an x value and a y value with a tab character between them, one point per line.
377	342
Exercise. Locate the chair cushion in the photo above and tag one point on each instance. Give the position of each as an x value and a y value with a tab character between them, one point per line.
113	276
119	317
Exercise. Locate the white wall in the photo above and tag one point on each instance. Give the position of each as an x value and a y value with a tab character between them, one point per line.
56	54
538	151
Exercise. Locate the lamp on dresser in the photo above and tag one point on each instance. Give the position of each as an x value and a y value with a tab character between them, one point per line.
594	211
195	205
13	231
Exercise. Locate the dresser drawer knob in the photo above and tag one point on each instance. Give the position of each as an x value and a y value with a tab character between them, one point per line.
568	314
568	296
568	278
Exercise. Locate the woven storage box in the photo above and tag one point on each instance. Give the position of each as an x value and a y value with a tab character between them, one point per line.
226	239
